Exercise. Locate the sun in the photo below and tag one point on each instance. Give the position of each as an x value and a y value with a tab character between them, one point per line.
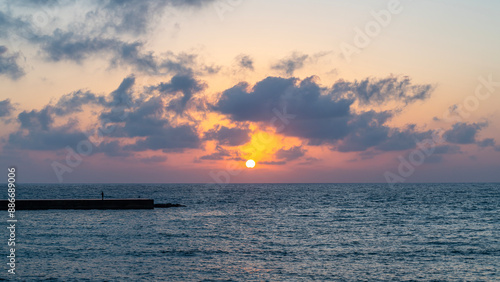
250	163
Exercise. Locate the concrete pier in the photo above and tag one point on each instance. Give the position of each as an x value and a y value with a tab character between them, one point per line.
81	204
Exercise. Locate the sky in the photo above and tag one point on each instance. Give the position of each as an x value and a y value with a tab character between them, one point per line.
313	91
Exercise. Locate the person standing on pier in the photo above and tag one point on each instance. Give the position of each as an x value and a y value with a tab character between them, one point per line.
102	195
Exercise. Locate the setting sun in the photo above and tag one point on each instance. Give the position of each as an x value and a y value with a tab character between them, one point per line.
250	163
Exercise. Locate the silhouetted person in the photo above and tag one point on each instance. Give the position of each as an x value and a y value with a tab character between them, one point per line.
102	195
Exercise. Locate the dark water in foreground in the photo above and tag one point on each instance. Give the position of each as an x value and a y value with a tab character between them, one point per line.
259	232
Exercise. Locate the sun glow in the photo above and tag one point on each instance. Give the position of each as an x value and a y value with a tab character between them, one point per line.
250	163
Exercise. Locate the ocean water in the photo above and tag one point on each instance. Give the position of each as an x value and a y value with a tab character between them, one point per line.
264	232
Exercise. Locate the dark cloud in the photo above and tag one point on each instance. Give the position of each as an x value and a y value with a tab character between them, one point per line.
154	159
168	139
6	108
8	64
229	136
220	154
123	94
364	131
309	160
73	102
107	24
464	133
37	131
439	152
324	115
434	159
372	91
290	154
185	84
272	94
245	62
10	25
446	149
146	118
54	138
273	163
63	45
113	16
43	2
113	149
142	119
290	64
488	142
67	45
39	120
405	139
135	16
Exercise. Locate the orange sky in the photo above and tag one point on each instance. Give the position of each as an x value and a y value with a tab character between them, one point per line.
204	86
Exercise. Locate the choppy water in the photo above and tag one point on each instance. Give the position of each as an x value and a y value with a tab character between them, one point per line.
265	232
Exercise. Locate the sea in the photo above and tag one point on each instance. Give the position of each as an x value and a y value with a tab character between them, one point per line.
262	232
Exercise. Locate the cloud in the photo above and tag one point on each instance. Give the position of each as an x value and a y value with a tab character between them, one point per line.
364	131
146	117
140	120
273	163
371	91
464	133
105	32
154	159
309	160
54	138
324	115
63	45
135	16
290	154
272	94
440	151
144	120
290	64
70	46
446	149
38	132
185	84
10	25
113	16
407	138
220	154
434	159
245	62
368	130
6	108
168	139
73	102
488	142
36	119
113	149
8	64
229	136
